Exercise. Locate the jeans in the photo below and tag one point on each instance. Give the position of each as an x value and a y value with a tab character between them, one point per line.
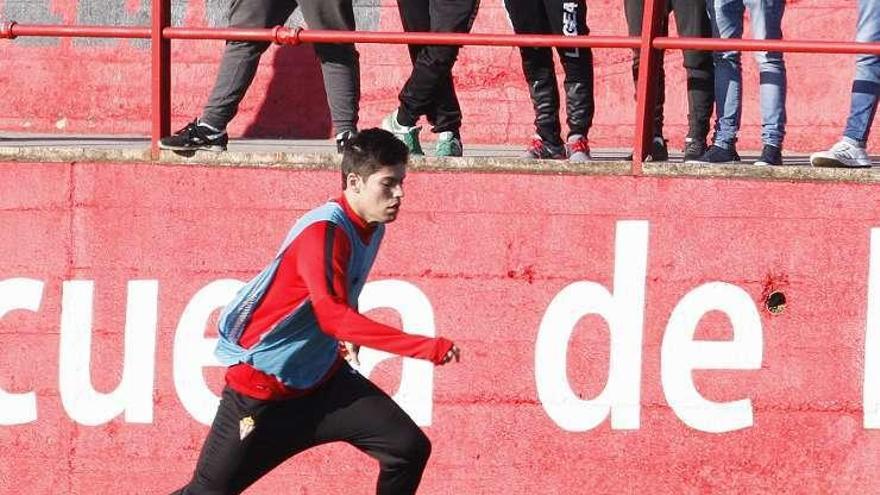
866	84
727	22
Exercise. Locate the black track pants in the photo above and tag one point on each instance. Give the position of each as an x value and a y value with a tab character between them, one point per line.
692	20
429	91
347	408
567	17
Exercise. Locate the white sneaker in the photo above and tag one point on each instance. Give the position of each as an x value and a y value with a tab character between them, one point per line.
409	135
844	154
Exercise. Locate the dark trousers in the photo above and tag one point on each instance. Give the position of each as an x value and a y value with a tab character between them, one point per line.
340	64
566	17
429	91
347	408
692	20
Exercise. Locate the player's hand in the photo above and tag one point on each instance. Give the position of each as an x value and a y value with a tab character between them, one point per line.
453	353
350	352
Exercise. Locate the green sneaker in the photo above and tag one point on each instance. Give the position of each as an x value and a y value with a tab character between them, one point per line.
448	145
409	135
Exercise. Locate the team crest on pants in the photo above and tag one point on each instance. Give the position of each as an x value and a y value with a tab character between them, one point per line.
245	427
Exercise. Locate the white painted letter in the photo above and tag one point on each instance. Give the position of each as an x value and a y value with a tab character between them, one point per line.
624	312
193	351
680	355
415	394
134	395
19	293
870	392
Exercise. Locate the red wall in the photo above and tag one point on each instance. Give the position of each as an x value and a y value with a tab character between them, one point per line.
80	86
491	253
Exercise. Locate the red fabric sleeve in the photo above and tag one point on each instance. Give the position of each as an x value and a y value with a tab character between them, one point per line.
321	252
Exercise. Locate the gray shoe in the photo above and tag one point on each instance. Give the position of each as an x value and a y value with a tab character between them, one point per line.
578	149
542	150
844	154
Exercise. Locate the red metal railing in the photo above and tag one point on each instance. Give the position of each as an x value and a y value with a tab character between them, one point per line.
649	44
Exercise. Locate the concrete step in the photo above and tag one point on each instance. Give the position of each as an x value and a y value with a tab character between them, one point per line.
319	154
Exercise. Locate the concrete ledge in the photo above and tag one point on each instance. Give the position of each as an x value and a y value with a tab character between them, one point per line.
317	155
795	173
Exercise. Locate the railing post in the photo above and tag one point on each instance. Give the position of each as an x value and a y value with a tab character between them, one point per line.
160	49
646	89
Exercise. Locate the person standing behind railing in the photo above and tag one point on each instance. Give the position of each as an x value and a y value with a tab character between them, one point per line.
851	151
430	91
691	20
569	18
339	65
727	22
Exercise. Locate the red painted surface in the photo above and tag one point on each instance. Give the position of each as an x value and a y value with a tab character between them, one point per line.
490	252
287	98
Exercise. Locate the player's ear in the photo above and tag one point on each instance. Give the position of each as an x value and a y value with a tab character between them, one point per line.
353	182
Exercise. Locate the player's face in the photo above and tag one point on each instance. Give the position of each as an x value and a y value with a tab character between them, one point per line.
380	194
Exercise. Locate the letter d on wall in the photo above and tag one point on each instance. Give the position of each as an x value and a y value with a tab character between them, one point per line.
624	312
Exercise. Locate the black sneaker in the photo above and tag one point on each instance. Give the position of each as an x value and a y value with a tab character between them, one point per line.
693	149
659	151
343	138
770	155
196	136
718	155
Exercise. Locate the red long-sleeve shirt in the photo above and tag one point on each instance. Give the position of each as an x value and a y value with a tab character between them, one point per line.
314	266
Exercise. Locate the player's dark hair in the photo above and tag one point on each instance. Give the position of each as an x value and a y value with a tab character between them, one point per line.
370	150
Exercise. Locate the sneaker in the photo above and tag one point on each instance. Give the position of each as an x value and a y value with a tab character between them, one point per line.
717	155
343	138
409	135
196	136
659	151
693	149
542	150
578	149
843	154
448	144
770	155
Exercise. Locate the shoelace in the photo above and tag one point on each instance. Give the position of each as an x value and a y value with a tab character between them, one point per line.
193	129
846	151
581	145
536	147
189	128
